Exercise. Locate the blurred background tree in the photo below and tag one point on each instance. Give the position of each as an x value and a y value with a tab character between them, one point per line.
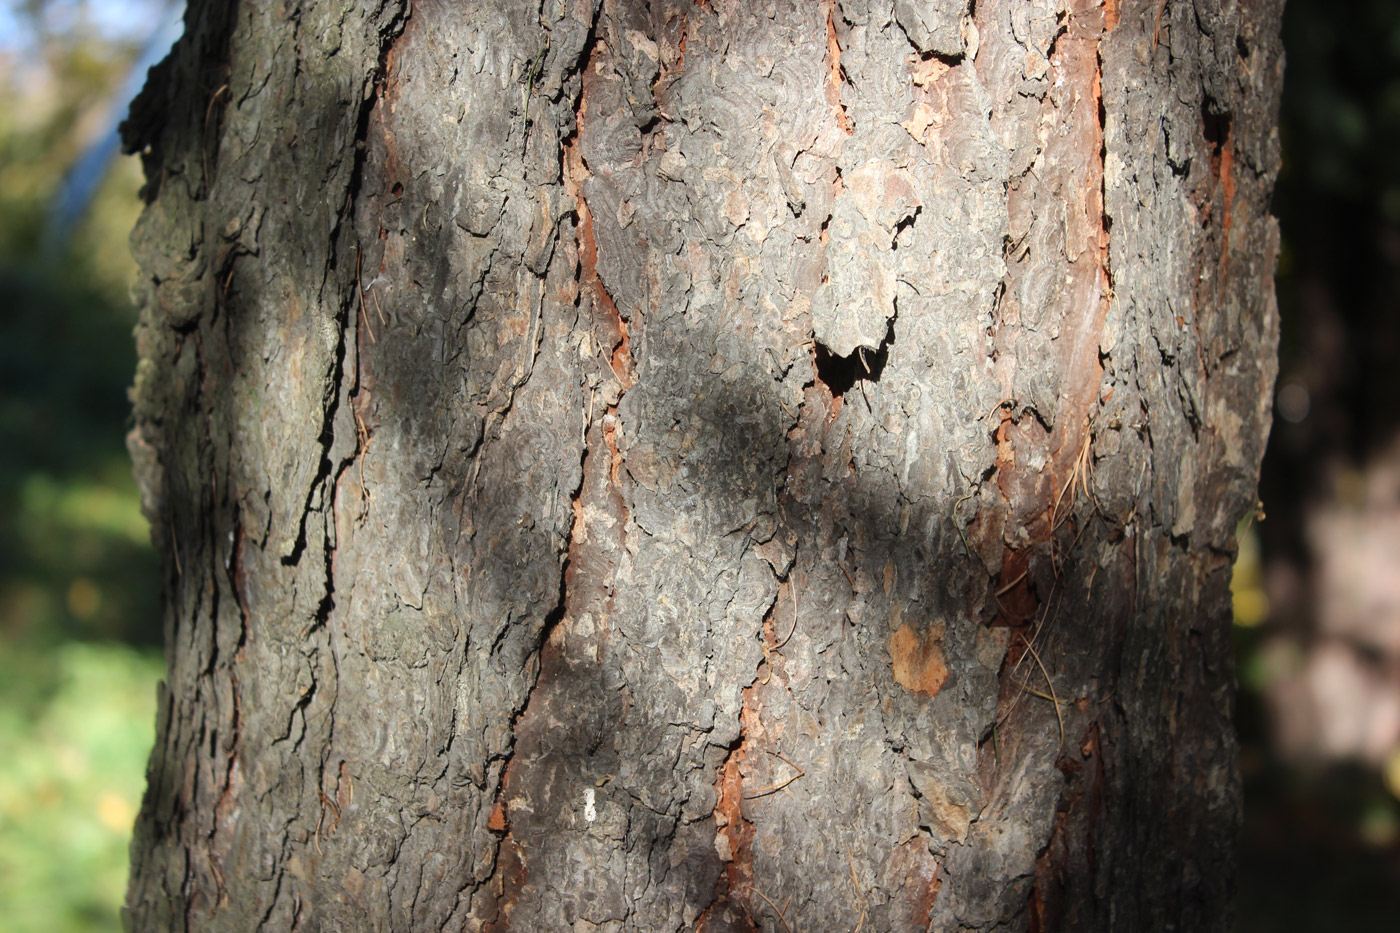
79	636
1318	588
1317	585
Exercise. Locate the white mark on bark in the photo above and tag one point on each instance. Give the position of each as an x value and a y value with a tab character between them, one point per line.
590	812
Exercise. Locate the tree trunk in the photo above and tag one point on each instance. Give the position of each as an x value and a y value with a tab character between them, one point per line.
718	465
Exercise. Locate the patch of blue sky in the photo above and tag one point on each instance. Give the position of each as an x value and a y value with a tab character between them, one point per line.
118	20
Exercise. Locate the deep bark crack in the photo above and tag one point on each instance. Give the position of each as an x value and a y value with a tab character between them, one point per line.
509	872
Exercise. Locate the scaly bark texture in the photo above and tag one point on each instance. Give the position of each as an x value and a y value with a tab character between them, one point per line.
701	465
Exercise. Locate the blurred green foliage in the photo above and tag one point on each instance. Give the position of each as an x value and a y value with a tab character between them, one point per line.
79	618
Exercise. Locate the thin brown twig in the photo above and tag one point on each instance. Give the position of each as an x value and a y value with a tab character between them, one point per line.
776	910
1046	618
771	788
364	452
1055	521
855	883
359	286
204	133
219	880
175	548
958	525
383	322
1056	554
997	407
1059	717
1037	693
335	809
1049	615
792	630
1010	586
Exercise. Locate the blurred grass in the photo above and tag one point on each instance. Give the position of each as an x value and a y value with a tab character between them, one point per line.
79	618
77	722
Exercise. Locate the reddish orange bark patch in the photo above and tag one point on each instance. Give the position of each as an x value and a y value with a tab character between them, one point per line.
610	325
919	663
1015	597
1006	453
497	822
733	835
833	75
511	875
1226	171
1077	163
920	880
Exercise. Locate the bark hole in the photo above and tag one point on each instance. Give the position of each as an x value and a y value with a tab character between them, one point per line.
1216	128
902	226
840	373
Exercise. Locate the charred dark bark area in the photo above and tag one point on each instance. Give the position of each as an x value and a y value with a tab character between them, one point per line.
702	465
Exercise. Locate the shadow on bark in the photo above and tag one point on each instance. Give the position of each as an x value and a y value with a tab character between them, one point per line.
513	578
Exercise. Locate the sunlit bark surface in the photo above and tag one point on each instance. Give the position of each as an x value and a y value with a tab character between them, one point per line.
701	465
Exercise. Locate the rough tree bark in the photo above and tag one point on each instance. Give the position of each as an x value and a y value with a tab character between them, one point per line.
701	465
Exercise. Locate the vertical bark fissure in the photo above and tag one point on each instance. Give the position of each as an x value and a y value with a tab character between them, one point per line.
344	320
508	888
1073	450
835	77
344	387
1042	503
600	461
223	808
732	904
337	453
